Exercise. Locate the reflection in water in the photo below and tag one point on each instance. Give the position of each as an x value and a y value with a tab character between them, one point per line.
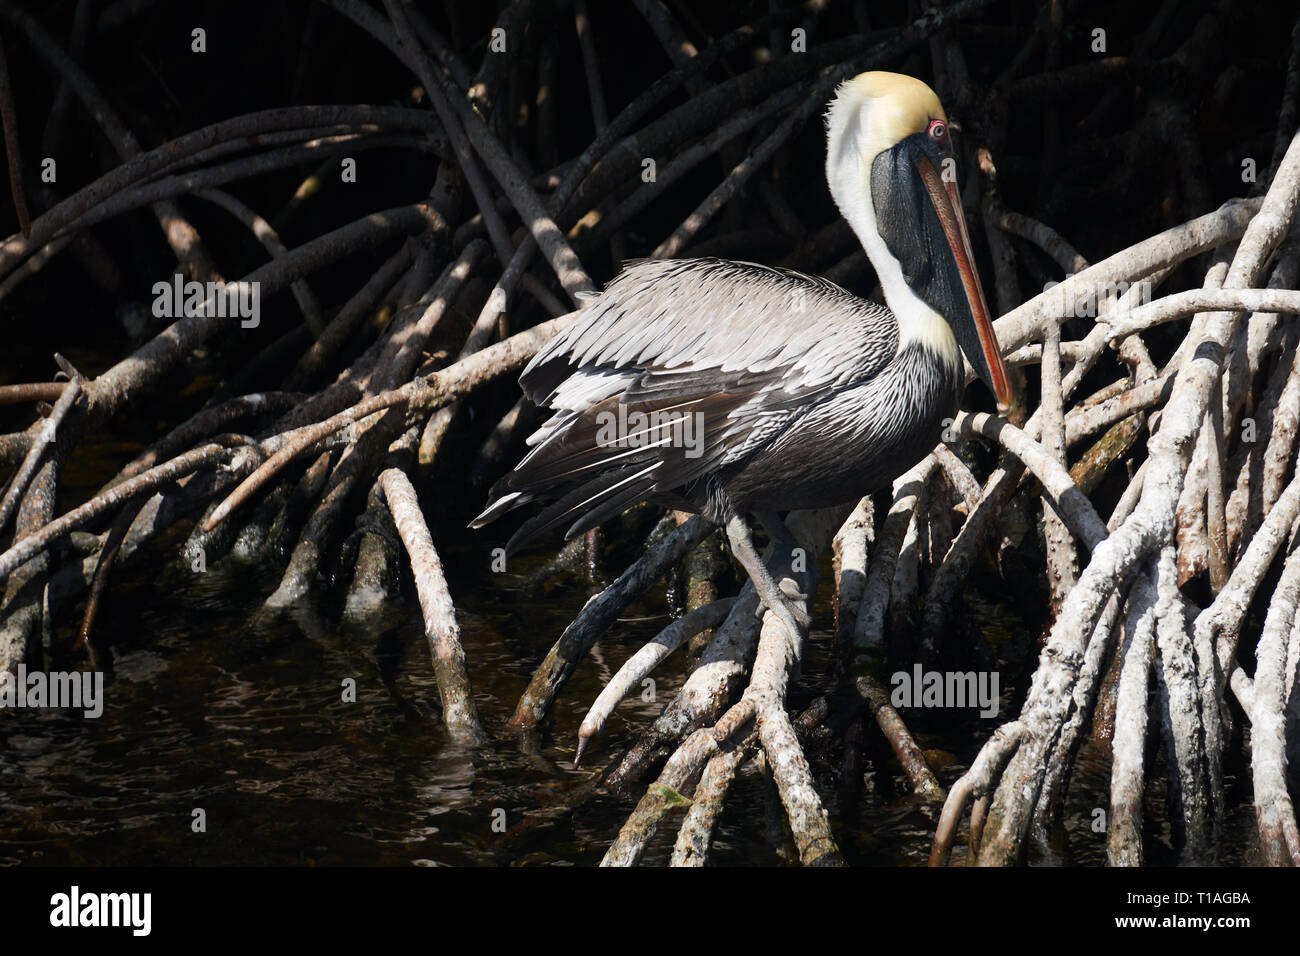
219	708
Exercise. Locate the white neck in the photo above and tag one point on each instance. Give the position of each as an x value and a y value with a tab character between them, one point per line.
851	146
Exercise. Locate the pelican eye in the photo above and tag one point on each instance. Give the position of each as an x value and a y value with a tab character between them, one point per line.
938	131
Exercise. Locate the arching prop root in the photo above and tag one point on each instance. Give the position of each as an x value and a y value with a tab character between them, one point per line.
1133	569
758	721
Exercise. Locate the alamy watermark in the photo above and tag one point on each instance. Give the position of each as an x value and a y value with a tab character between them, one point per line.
948	689
1086	299
178	298
77	690
75	908
633	429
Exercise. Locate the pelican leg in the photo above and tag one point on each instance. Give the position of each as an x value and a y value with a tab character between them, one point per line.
787	611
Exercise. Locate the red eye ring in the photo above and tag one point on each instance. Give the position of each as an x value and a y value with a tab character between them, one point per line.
938	130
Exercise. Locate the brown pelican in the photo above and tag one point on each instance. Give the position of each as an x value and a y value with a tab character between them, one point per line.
729	388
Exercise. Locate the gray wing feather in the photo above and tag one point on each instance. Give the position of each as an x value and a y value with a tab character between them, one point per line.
693	315
747	349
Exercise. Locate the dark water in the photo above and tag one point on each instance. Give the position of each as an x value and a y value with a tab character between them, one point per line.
218	707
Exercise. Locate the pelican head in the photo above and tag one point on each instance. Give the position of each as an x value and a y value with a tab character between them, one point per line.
890	168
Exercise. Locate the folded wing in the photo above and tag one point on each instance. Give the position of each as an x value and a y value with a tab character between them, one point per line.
733	353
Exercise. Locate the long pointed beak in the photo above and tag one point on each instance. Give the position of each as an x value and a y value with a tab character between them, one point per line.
947	205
